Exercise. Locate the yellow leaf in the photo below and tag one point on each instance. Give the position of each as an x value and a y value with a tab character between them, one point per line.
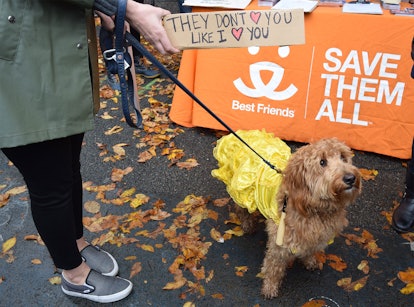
128	258
363	266
368	174
237	231
106	116
188	304
55	280
147	248
139	200
408	289
9	244
128	193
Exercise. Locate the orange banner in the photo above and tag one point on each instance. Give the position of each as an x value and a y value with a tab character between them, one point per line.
350	80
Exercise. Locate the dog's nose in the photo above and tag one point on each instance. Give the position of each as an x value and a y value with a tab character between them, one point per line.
349	179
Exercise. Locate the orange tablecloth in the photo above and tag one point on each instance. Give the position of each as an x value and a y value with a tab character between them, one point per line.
350	80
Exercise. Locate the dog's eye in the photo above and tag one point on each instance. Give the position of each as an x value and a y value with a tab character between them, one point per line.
323	162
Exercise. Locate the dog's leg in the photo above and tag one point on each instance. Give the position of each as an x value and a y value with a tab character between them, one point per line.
248	221
274	266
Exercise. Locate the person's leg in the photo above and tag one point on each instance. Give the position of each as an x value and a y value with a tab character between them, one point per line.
140	68
47	171
403	216
51	170
106	42
183	9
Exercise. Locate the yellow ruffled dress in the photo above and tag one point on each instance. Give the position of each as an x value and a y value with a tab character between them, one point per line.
249	180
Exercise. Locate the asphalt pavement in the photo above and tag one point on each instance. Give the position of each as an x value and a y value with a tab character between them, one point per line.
169	224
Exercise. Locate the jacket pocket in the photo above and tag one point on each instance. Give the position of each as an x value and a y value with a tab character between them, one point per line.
11	20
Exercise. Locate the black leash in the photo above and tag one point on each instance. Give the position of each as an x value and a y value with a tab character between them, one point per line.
137	45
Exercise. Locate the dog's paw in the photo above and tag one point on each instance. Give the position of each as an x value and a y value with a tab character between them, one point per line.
249	226
270	290
311	263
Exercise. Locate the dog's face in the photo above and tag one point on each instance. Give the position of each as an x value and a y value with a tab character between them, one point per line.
320	176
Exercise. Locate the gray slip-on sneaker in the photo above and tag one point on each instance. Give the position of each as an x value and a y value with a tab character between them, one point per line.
99	260
99	288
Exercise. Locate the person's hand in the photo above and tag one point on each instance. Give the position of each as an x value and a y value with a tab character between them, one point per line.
106	21
147	20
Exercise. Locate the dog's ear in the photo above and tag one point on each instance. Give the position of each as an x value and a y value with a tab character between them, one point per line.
295	185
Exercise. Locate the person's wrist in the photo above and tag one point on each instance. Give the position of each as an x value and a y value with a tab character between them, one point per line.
131	8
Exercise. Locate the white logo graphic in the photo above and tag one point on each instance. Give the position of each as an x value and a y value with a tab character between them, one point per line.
260	88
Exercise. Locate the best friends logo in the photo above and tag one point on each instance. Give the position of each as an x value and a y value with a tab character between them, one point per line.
349	80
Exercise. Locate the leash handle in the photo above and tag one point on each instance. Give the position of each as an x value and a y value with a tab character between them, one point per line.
137	45
126	82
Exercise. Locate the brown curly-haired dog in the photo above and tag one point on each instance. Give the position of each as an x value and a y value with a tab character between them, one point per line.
319	183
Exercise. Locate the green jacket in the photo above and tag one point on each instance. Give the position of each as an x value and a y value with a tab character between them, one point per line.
48	54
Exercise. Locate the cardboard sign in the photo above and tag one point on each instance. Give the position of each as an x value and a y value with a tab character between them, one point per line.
231	29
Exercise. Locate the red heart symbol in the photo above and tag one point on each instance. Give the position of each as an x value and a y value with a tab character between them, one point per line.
237	33
255	16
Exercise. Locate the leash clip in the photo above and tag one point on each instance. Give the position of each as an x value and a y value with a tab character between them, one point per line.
110	55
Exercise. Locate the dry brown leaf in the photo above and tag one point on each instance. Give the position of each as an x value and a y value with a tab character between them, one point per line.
92	206
315	303
218	296
36	261
106	92
177	284
216	235
407	276
117	174
349	286
188	164
119	149
136	268
36	238
144	156
221	202
114	130
17	190
336	262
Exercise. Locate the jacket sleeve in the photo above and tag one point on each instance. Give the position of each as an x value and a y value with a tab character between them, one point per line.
108	7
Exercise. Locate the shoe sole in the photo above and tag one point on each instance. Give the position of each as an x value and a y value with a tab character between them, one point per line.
101	299
148	77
